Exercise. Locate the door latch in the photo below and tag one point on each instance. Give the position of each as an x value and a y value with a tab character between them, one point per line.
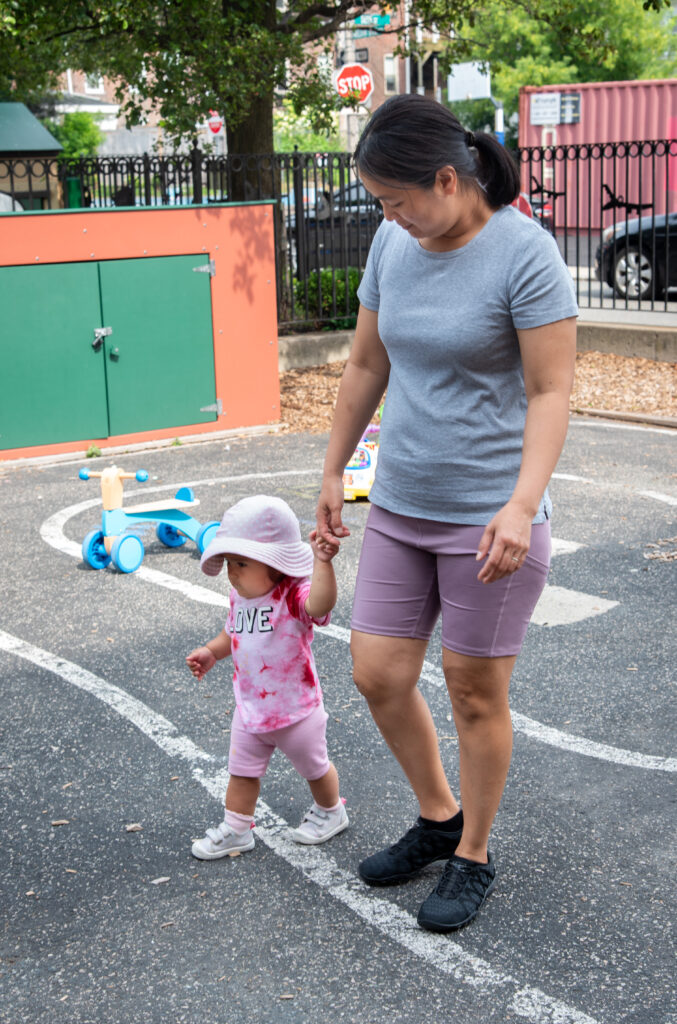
99	334
217	407
206	268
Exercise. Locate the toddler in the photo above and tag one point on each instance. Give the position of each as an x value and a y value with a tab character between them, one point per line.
268	632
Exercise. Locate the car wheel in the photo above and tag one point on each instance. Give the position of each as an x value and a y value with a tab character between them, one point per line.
633	276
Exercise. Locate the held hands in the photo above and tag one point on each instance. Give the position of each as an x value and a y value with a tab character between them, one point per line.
323	550
200	661
506	541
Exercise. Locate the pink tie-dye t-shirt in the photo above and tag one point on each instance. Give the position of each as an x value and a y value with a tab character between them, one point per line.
274	678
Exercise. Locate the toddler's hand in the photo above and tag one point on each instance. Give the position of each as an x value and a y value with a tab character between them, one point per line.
200	661
324	548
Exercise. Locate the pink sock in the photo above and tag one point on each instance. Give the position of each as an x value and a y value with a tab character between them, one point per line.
239	823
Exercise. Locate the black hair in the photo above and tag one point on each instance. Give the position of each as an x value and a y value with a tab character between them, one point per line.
410	137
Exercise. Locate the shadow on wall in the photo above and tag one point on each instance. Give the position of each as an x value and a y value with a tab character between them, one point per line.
256	245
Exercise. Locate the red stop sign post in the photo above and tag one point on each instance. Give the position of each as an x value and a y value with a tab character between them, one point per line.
355	81
215	122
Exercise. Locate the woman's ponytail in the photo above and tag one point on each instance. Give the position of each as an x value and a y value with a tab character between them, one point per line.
498	172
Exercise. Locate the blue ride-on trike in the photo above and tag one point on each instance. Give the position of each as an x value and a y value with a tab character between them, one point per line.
117	541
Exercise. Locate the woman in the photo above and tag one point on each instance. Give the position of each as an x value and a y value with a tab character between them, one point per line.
467	315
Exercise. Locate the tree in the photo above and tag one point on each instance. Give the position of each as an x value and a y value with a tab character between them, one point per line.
565	41
185	57
291	129
78	133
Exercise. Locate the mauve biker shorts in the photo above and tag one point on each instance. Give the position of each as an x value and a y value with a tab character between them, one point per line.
411	569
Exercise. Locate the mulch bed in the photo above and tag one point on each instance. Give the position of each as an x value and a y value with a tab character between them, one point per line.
621	384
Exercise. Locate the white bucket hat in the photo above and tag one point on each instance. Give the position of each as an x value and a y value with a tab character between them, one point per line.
262	528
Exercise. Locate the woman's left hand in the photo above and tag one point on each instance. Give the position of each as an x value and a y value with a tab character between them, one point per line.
506	542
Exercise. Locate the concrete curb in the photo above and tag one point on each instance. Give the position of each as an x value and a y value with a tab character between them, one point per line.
633	417
659	343
298	350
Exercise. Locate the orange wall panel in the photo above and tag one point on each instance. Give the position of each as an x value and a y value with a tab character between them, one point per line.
240	240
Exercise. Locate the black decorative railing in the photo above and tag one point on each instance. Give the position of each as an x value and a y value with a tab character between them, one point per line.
612	208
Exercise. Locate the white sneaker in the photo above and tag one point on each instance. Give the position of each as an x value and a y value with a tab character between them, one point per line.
319	825
222	841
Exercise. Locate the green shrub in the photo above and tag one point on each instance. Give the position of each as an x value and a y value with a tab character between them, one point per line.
78	133
319	289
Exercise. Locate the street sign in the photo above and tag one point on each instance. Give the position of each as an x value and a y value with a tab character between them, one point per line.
355	80
544	108
215	122
373	20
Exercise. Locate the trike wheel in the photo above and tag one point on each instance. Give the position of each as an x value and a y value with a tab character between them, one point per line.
206	534
127	553
170	536
94	551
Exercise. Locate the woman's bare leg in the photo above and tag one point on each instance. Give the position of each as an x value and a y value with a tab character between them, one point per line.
478	688
386	671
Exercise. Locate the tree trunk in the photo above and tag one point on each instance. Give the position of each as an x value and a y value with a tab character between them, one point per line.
253	173
250	150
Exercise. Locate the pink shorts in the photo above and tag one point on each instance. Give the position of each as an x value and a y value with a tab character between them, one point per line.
304	743
411	569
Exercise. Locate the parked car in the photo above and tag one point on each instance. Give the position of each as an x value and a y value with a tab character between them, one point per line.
312	201
638	257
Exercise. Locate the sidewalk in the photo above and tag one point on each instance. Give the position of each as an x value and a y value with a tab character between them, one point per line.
624	332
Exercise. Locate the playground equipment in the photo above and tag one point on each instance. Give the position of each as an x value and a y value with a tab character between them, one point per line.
118	541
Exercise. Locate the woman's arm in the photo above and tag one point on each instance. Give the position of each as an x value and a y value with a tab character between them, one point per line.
548	359
362	385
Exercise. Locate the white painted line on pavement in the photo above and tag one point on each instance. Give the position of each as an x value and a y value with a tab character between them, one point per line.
438	952
544	733
564	547
580	745
558	606
669	499
622	426
572	476
565	740
52	533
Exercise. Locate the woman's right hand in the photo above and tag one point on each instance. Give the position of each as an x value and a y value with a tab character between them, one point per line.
330	527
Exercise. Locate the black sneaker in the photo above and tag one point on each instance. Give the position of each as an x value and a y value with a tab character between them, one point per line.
458	896
419	846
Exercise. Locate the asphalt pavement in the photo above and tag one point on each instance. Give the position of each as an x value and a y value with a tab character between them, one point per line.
103	728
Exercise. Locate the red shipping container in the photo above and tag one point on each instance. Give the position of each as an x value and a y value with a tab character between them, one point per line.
590	115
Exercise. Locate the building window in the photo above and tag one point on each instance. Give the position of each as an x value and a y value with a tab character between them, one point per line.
389	73
94	84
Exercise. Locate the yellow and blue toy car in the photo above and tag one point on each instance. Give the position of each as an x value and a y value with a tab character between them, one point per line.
358	475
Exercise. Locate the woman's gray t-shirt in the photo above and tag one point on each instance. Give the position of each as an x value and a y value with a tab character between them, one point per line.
453	422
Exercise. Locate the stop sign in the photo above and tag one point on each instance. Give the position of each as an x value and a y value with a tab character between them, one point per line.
355	80
215	122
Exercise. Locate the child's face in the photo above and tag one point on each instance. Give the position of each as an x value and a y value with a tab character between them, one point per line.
249	577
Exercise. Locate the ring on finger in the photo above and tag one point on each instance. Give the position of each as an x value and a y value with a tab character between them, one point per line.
513	559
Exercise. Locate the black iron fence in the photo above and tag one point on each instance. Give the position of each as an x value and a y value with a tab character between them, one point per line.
612	208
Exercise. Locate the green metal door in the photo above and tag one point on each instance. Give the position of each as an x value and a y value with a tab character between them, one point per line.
52	382
160	356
